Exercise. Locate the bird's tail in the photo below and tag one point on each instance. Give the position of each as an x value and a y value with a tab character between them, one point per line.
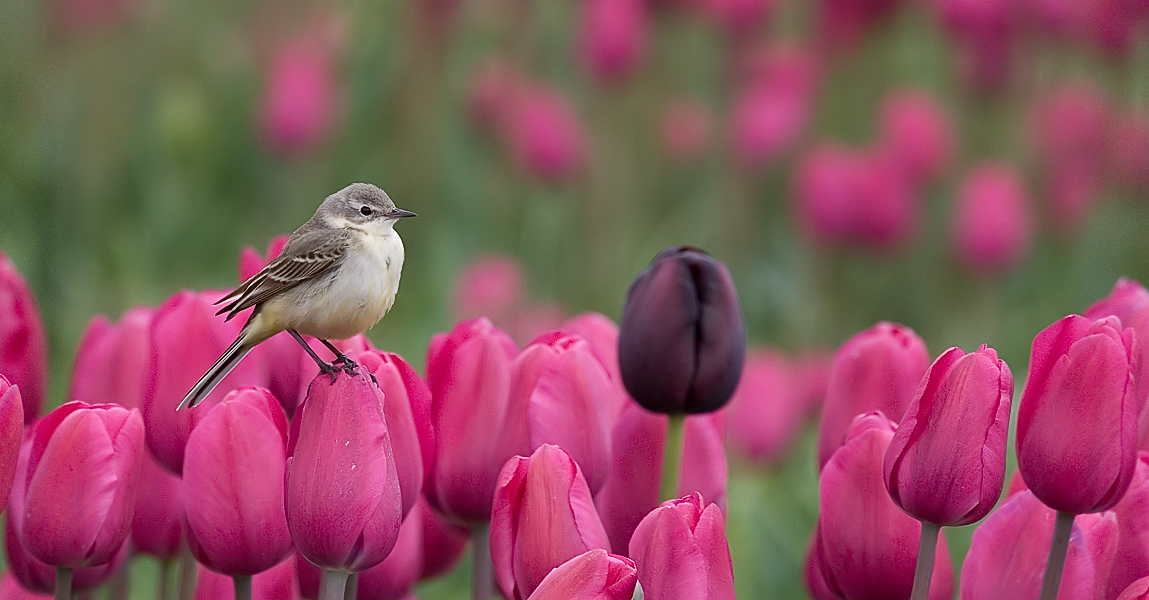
223	365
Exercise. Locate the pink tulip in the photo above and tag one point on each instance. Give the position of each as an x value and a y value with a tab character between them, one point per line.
918	132
393	578
186	338
1071	190
407	409
11	435
1129	302
23	345
1077	423
844	22
112	361
1132	512
613	38
992	226
570	399
493	91
952	438
489	286
545	135
10	589
602	335
535	319
877	369
157	525
1138	590
812	372
1130	150
638	442
276	583
1008	553
684	127
767	121
343	500
79	493
477	423
867	546
233	485
767	410
680	551
1070	124
592	575
443	543
543	515
299	97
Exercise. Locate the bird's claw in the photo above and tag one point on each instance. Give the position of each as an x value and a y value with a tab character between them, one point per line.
330	370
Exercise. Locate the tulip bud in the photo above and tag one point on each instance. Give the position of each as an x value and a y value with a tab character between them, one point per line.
767	120
477	427
613	38
680	551
545	135
638	445
11	435
186	338
992	221
917	131
1132	514
343	501
405	396
953	437
157	524
1129	302
23	345
767	410
570	400
1077	423
592	574
393	578
543	515
79	496
868	546
233	485
684	130
1070	124
877	369
298	106
489	286
443	543
10	589
681	341
112	362
1009	551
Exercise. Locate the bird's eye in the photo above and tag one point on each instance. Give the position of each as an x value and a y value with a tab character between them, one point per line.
365	211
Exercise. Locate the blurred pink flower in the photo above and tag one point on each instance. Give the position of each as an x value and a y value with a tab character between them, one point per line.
844	22
918	133
681	552
1129	155
865	546
613	38
534	319
443	543
490	285
232	485
185	339
23	344
543	515
992	226
684	126
11	589
157	524
738	17
493	91
545	134
1070	124
112	362
80	488
90	15
773	102
768	408
298	105
592	575
276	583
877	369
638	442
1008	553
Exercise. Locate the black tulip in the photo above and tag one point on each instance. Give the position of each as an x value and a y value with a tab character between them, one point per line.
681	342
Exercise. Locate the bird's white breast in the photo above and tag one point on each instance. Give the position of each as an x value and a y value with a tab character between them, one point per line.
359	292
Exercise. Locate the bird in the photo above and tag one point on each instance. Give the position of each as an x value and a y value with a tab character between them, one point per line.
336	277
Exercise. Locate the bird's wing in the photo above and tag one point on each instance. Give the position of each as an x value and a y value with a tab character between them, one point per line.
313	254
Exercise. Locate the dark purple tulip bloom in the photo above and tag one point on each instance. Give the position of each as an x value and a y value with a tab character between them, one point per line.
681	341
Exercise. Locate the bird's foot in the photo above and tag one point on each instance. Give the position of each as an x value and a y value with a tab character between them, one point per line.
329	369
347	365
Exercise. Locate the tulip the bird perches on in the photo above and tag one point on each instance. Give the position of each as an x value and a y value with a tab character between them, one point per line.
336	277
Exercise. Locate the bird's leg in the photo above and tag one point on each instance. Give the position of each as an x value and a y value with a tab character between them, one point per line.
323	367
349	366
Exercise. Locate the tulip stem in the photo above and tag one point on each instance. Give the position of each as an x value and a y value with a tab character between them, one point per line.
925	568
1061	530
164	580
672	457
333	584
119	585
352	588
242	587
483	574
63	583
188	573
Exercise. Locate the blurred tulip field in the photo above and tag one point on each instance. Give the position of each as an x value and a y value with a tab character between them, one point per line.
872	182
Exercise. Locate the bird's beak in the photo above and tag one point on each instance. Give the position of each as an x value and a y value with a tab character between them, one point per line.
399	213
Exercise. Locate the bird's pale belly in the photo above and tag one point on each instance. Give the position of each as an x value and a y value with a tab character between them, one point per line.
349	301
